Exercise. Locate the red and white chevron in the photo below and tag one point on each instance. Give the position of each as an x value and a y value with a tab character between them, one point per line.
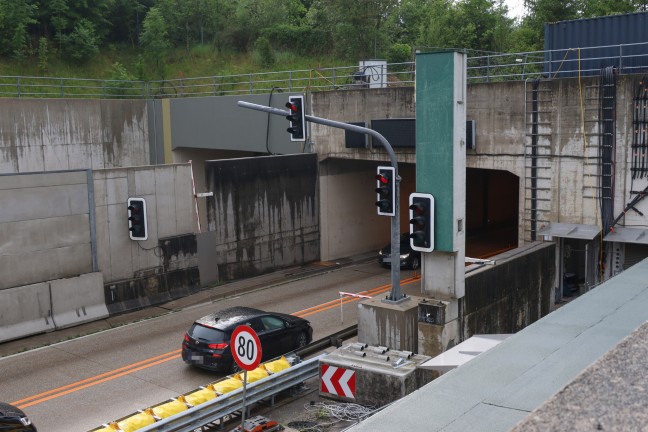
338	381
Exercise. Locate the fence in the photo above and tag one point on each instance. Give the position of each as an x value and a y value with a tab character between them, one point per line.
627	58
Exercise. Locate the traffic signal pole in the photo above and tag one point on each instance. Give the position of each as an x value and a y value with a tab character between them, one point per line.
396	295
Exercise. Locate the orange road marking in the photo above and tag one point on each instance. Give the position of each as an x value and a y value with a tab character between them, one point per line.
93	381
163	358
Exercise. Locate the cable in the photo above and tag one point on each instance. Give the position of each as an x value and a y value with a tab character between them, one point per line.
340	411
267	137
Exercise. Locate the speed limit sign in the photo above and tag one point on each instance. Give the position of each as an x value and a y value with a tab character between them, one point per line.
246	348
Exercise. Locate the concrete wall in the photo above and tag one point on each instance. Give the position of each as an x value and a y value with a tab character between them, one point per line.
65	253
512	294
264	215
44	227
66	134
163	267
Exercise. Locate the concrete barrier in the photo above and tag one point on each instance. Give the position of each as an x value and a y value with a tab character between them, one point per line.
78	300
25	311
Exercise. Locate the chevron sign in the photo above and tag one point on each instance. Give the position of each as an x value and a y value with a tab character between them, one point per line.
338	381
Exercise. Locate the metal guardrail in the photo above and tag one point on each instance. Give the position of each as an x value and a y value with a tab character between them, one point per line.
492	67
229	403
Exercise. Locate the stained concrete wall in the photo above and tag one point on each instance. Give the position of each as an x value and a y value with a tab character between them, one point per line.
44	227
512	294
264	214
64	235
163	267
66	134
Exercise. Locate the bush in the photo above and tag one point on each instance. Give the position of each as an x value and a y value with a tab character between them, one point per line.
121	82
302	40
82	44
264	52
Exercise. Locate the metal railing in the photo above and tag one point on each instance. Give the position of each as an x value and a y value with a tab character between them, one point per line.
229	403
492	67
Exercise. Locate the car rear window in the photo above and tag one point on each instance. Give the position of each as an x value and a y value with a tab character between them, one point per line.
198	331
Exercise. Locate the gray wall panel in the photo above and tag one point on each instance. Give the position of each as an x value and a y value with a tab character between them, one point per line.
219	123
22	237
44	265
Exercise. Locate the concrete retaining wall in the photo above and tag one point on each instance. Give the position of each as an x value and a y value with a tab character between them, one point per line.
44	227
67	134
264	215
514	293
25	311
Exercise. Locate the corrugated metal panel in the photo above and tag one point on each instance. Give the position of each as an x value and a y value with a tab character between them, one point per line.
612	35
634	253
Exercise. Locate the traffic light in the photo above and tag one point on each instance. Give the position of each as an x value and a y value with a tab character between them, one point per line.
297	118
137	219
421	212
385	190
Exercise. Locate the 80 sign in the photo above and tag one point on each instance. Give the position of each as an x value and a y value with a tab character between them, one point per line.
246	348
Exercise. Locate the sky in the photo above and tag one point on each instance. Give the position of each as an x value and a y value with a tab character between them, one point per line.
515	7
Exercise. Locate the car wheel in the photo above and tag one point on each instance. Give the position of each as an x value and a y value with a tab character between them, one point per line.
302	340
415	263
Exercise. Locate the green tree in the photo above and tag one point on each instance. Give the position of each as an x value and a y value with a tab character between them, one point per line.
82	43
155	39
126	17
15	18
359	29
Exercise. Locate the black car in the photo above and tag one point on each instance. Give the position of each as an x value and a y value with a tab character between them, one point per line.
408	258
13	419
206	343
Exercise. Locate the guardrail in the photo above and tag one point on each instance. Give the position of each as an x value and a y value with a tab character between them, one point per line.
227	404
490	67
289	375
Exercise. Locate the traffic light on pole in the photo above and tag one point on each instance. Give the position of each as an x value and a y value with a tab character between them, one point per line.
385	190
137	219
421	212
297	118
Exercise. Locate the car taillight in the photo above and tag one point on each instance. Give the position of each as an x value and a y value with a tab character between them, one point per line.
218	346
186	338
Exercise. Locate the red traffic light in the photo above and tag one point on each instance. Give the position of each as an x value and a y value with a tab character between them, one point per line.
382	178
292	107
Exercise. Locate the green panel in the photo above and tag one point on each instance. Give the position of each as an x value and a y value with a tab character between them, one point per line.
434	139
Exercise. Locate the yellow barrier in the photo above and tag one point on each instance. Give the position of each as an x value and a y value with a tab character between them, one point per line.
200	396
277	365
253	375
184	402
135	422
168	409
227	385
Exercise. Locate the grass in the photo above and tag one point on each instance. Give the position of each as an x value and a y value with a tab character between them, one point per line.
199	61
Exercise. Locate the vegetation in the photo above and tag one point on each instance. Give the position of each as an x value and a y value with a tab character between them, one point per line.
161	39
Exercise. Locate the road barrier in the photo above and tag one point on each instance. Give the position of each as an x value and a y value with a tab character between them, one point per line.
206	405
53	305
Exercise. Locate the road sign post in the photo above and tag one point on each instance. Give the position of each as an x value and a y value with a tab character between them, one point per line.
246	351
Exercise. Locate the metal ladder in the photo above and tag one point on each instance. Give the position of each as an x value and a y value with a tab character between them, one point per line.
537	157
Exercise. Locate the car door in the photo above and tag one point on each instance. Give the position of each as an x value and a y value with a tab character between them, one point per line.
259	329
276	336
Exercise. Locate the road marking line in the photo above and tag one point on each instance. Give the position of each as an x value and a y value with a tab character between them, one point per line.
163	358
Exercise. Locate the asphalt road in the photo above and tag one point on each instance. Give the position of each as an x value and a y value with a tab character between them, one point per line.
81	383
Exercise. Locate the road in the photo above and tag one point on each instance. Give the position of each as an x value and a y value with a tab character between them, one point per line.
81	383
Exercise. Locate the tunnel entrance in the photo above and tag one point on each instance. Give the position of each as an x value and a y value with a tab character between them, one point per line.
492	212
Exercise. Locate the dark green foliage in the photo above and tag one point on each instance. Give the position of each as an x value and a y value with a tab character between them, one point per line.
15	18
299	39
264	52
81	44
350	30
399	53
43	55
